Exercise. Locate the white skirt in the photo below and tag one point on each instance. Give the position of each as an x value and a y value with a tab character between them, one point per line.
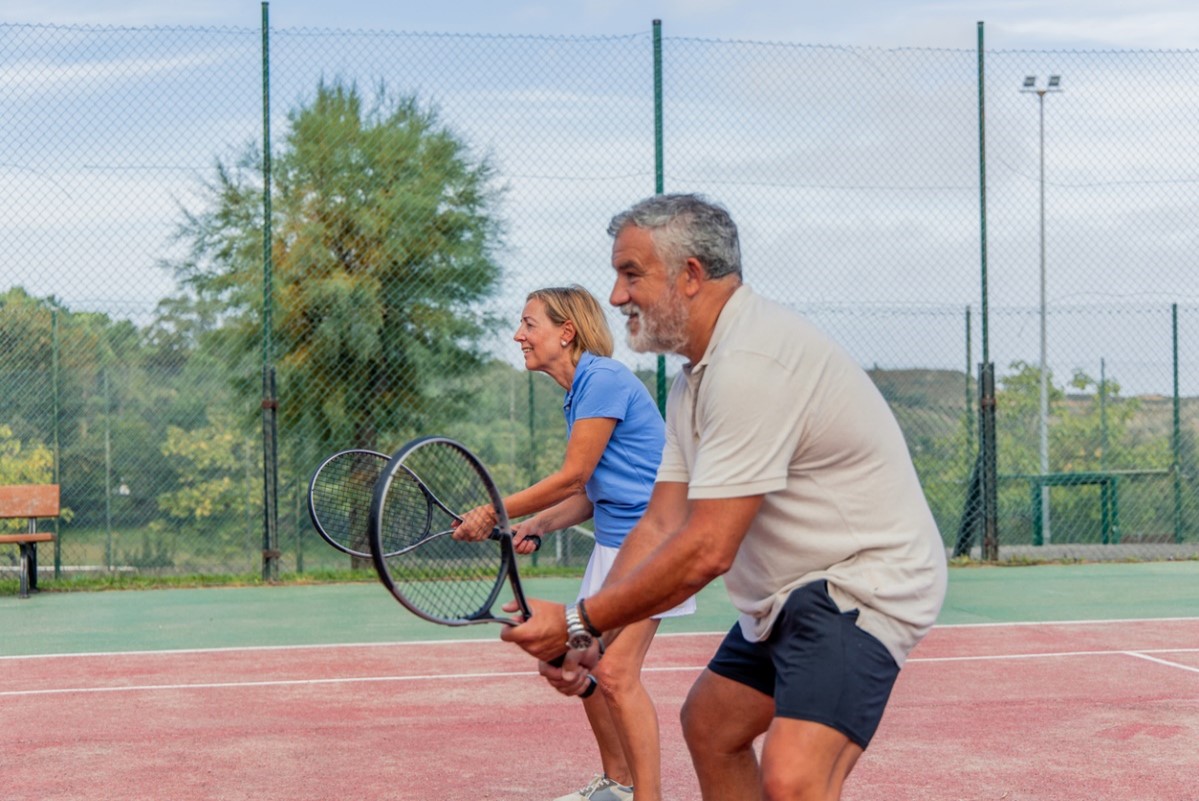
602	557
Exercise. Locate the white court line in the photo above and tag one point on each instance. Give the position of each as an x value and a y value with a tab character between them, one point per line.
1145	655
1056	655
1103	622
297	682
479	641
311	646
513	674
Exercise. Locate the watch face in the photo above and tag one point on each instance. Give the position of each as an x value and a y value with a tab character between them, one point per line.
580	641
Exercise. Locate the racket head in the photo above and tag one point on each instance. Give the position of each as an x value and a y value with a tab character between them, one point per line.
339	498
417	501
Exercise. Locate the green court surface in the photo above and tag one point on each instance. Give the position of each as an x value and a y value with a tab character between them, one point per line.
91	622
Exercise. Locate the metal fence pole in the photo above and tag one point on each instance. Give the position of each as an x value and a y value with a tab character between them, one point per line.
968	397
988	461
659	178
270	403
54	363
1176	436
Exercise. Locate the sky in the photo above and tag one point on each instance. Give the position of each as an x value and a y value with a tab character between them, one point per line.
865	156
1034	24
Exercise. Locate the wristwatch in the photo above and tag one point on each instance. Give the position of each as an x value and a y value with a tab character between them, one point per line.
577	635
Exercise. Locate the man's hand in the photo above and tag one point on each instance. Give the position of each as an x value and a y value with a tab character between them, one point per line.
543	634
573	676
568	681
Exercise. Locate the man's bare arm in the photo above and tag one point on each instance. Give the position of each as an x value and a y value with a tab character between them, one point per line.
657	568
679	563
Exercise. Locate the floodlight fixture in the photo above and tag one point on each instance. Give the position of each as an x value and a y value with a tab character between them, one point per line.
1054	85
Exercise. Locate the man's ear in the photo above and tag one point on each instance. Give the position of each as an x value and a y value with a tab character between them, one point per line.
694	275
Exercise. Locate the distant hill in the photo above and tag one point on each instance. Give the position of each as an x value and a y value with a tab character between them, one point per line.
941	389
945	392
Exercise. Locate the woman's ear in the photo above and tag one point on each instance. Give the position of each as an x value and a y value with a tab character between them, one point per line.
568	333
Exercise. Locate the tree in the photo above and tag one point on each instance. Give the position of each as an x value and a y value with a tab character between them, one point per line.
55	389
210	464
384	230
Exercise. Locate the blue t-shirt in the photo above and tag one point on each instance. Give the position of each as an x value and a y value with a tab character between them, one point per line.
620	487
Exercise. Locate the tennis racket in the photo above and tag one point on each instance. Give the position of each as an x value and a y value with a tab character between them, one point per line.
413	513
414	510
339	498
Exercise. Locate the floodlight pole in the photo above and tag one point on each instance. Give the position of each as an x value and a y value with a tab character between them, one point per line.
1030	87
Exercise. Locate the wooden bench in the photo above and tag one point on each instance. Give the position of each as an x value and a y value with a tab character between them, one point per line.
30	502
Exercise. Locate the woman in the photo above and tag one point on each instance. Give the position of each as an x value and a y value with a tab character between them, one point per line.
614	445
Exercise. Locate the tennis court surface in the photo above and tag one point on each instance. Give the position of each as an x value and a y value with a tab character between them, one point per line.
1070	682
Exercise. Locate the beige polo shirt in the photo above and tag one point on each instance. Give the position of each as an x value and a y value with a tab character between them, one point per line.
775	408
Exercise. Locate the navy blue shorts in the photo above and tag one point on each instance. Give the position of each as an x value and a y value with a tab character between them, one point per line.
816	664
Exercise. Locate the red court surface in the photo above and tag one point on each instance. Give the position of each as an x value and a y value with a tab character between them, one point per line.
1067	711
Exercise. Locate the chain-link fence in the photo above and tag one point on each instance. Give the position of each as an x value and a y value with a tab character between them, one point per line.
421	185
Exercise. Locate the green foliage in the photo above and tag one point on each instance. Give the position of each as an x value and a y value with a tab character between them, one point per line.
24	464
209	465
36	336
383	234
1092	428
513	422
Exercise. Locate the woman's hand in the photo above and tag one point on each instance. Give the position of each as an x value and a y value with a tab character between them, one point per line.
477	524
527	536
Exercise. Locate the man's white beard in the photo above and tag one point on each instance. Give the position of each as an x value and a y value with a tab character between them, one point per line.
662	329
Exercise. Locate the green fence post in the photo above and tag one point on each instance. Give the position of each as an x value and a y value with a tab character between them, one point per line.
989	457
1177	429
659	177
54	426
108	560
532	466
969	365
270	403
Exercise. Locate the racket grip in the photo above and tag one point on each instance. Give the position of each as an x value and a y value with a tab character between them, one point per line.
591	682
533	538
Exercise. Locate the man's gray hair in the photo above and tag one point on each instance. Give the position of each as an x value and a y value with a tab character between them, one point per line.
687	226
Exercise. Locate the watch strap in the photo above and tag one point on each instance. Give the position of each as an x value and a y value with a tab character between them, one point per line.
586	620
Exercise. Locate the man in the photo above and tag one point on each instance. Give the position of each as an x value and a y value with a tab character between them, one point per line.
784	471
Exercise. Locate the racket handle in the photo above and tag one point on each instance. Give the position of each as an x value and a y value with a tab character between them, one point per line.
591	682
533	538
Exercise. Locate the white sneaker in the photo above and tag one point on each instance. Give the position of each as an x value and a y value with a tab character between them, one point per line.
601	788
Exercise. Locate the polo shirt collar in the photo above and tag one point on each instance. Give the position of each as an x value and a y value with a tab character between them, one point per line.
732	308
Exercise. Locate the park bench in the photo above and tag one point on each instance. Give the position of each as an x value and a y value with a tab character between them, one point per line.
28	502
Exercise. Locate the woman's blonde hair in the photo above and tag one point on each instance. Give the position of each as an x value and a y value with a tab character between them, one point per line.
576	304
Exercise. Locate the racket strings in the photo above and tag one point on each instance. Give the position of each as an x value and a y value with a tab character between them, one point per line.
341	497
444	578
